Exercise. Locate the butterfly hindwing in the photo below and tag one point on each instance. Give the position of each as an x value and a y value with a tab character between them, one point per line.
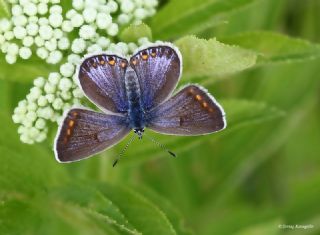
84	133
158	69
192	111
102	80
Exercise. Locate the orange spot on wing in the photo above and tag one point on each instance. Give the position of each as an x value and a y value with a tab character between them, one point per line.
153	52
68	132
144	55
111	61
134	61
123	64
198	97
71	123
205	104
75	114
190	91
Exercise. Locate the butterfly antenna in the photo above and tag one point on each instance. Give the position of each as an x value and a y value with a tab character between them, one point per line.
160	145
124	150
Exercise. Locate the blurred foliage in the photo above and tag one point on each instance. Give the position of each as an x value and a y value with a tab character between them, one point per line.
134	32
212	58
4	9
262	171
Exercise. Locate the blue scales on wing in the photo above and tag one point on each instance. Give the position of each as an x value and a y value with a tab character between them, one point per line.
158	69
102	80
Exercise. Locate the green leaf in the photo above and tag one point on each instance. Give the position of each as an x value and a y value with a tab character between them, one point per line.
267	228
83	208
4	9
43	215
212	58
134	32
27	173
30	215
24	71
240	113
94	202
145	216
171	212
23	167
274	47
79	207
253	147
177	19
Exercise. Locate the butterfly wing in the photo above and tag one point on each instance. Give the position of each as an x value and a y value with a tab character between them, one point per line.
158	69
84	133
102	80
192	111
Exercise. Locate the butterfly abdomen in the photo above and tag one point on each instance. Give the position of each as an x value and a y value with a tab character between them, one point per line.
135	112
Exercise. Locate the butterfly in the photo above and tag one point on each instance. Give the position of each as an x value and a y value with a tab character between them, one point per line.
135	94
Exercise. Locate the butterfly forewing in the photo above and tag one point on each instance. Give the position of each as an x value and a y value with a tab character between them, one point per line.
192	111
102	80
84	133
158	69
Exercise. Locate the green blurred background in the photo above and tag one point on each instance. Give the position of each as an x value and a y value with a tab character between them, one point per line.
248	179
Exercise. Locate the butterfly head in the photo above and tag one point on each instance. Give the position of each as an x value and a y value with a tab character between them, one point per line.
139	132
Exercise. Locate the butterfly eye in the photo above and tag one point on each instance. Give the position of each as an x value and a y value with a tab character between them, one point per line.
144	55
111	60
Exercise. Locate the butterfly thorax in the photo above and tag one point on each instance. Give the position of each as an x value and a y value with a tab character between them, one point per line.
135	112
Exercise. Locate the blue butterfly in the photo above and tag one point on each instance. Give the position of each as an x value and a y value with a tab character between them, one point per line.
135	95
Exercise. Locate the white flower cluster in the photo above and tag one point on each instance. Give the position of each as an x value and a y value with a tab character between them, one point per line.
95	18
135	11
35	26
39	26
46	100
49	98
